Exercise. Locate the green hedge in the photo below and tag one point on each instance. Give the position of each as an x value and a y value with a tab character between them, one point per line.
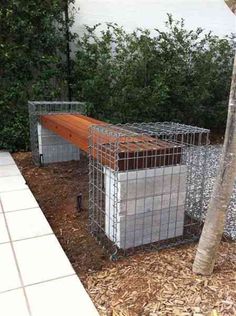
177	75
32	46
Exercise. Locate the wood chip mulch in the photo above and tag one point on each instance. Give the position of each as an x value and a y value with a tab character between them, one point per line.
162	283
146	283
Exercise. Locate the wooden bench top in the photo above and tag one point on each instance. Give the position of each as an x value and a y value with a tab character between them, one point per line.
135	151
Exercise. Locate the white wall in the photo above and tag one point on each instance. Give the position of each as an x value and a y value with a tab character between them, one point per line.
212	15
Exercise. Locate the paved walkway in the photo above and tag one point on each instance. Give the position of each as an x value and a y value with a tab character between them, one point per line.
36	277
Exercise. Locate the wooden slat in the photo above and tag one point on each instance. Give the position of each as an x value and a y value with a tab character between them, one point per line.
135	152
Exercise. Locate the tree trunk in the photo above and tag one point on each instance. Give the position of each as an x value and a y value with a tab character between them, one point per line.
215	219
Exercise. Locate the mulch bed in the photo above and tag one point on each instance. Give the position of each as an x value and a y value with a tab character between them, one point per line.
146	283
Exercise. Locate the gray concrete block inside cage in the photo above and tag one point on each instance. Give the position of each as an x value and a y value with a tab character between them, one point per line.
144	206
54	148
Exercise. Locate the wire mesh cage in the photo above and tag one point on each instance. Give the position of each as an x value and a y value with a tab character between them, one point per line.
46	146
146	184
212	167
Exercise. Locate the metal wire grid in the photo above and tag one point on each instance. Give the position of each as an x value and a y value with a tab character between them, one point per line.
145	188
38	108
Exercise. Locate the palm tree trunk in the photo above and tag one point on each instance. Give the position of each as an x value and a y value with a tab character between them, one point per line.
215	219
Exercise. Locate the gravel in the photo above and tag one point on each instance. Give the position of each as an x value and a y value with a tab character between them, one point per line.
212	164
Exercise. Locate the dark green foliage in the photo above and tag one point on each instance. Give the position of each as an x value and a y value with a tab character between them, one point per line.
177	75
32	44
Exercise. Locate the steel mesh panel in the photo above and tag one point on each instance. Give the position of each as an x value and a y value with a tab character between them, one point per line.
146	184
38	108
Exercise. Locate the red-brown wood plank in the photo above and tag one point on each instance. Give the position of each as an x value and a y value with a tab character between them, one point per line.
75	129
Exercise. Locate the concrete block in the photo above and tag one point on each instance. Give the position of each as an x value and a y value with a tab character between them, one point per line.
149	205
52	140
179	230
146	236
54	148
152	172
140	229
151	185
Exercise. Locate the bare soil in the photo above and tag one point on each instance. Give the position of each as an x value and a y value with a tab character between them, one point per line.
146	283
